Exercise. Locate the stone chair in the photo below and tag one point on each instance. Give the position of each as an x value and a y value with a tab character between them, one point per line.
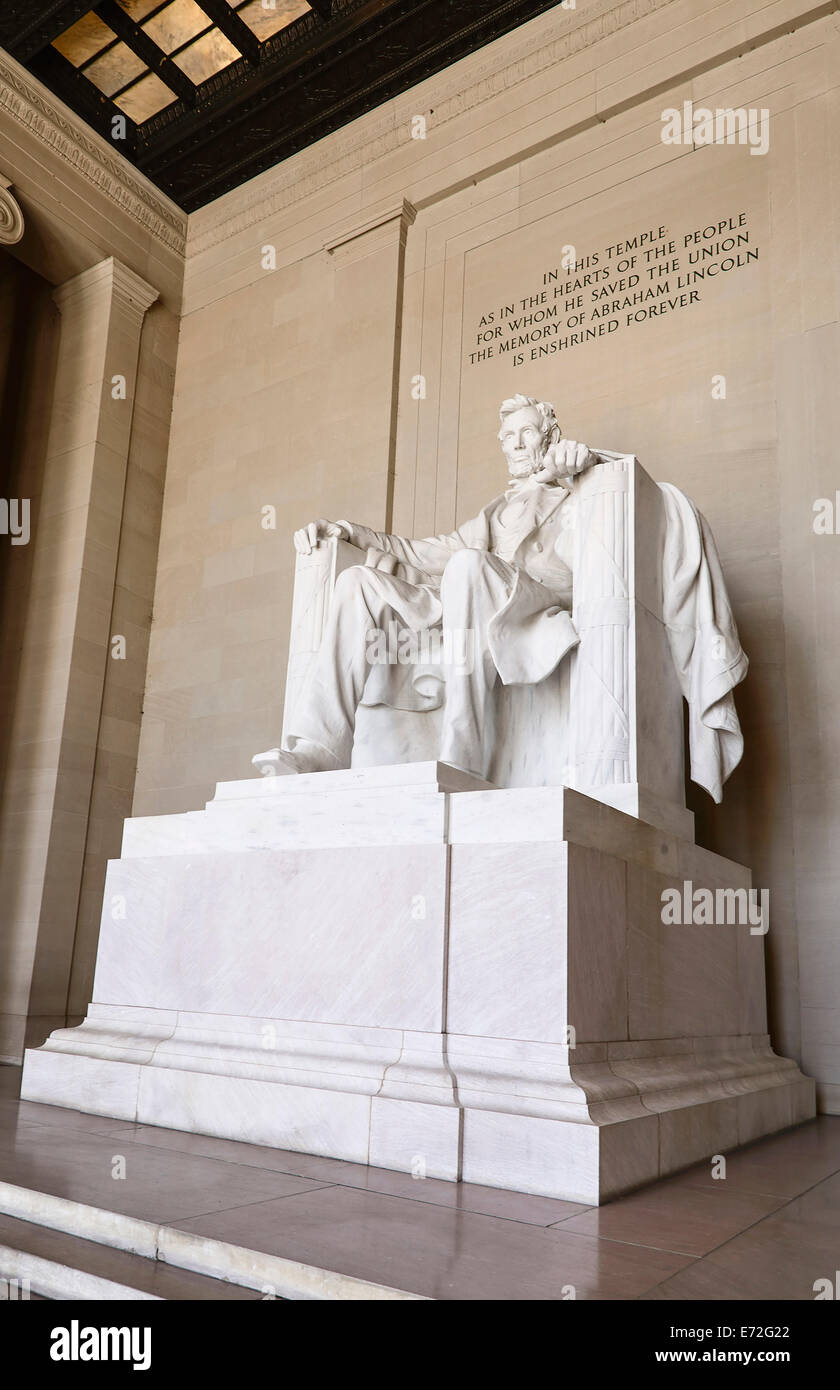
599	723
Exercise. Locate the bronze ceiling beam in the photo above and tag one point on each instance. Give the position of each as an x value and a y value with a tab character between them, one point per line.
233	28
26	34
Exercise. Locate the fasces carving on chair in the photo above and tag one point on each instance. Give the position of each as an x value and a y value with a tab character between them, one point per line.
548	640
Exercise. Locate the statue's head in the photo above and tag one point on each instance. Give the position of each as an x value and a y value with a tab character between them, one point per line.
529	428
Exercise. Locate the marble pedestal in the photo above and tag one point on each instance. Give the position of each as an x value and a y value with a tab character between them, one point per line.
403	967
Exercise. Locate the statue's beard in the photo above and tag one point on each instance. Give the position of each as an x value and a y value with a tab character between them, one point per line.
524	468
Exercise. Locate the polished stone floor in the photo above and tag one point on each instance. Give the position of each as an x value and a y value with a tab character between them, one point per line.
767	1230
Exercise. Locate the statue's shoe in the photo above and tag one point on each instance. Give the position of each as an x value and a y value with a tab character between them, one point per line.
276	763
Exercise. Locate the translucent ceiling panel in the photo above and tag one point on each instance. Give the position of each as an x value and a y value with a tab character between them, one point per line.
139	9
207	56
114	69
84	39
145	98
265	22
176	24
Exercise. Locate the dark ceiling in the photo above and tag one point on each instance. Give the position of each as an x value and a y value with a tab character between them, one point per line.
203	94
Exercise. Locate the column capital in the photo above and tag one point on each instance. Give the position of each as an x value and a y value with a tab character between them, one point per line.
361	238
108	279
11	217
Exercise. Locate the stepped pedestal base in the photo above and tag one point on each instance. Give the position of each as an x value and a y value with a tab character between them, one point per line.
400	966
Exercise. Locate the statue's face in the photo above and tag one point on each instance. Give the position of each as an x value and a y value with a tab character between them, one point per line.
522	442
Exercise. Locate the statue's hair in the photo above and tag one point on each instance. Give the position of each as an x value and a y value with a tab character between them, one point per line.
549	424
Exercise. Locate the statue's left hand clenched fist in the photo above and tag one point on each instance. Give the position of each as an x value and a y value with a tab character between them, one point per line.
564	459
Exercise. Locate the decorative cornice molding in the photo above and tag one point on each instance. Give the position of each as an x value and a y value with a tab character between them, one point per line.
11	217
569	31
53	123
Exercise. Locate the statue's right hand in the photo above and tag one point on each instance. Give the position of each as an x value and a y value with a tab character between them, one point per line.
309	536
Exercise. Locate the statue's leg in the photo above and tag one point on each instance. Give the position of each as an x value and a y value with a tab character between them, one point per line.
364	599
475	585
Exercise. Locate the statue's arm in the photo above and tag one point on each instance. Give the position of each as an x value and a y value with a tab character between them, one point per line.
429	554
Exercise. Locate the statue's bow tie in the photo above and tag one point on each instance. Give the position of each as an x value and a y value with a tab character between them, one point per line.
532	501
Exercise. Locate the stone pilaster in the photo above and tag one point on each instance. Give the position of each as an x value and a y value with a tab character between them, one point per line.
369	263
76	536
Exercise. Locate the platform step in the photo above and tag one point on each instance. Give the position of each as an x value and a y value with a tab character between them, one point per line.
35	1260
67	1250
